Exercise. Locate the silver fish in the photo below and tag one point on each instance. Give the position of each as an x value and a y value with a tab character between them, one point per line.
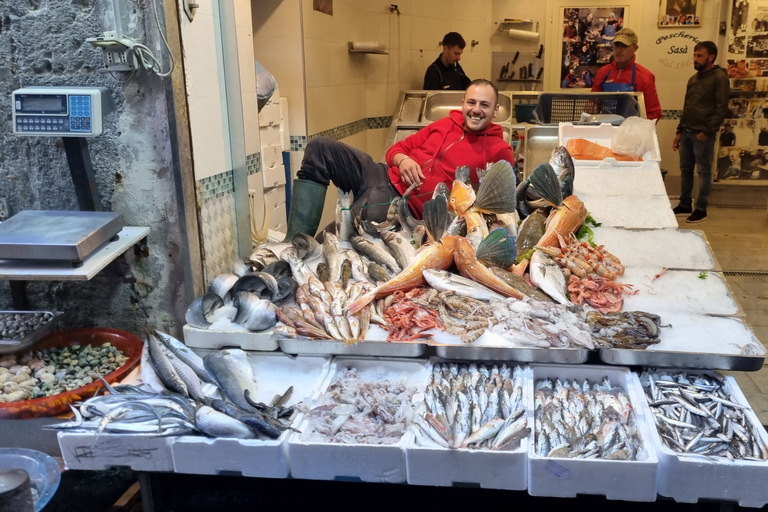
375	253
253	313
149	375
301	271
183	352
217	424
187	375
164	368
234	374
548	277
443	280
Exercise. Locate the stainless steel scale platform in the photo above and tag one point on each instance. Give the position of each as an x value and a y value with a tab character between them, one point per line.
57	235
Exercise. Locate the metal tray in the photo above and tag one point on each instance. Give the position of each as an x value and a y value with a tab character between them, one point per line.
685	360
8	346
363	348
523	355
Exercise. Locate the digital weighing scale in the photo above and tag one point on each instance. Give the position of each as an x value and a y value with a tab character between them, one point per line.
56	235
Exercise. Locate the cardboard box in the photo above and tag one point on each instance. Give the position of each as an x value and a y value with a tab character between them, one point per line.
274	373
615	479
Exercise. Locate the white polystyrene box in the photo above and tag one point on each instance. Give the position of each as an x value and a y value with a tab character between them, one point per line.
275	196
602	134
270	115
274	373
285	132
614	479
633	212
490	469
688	479
606	179
247	340
277	216
273	176
85	450
369	463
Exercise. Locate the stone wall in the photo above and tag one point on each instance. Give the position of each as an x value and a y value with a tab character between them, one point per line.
42	42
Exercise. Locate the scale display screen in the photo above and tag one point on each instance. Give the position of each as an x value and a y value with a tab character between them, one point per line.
60	111
41	104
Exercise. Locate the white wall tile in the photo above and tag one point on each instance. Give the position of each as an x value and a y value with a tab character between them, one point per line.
243	13
297	119
207	128
200	57
245	59
317	63
251	122
276	18
281	56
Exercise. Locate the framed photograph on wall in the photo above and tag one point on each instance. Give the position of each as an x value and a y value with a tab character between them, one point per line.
676	13
587	41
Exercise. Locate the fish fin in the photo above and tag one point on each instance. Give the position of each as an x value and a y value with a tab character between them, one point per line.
404	216
463	174
546	183
360	302
436	217
496	193
498	248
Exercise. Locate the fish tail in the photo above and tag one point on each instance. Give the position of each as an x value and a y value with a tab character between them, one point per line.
359	303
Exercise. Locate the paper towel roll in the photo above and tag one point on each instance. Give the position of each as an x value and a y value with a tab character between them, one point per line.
524	35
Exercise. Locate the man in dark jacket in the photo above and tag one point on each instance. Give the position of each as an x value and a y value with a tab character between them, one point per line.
446	73
467	137
705	108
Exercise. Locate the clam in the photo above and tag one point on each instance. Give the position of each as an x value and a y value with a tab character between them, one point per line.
198	312
253	313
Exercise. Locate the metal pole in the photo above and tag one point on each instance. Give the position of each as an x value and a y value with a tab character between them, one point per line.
81	168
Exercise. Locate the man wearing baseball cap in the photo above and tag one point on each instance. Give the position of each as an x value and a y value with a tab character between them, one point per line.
623	74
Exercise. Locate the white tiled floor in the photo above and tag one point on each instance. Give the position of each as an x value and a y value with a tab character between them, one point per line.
739	239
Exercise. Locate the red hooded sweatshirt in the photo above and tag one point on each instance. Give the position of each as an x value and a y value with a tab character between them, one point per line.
440	148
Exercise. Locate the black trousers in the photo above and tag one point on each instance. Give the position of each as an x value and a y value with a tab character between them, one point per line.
328	160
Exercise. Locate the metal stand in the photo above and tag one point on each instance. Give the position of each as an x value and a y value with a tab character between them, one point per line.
81	168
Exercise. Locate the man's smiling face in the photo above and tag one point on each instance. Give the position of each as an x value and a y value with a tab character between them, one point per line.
479	107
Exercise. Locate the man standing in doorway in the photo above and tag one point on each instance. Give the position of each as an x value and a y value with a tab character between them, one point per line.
704	109
446	72
623	74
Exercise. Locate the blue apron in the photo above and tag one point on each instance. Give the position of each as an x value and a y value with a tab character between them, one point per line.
614	87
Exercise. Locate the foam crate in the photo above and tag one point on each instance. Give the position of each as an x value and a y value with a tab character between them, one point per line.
270	135
277	216
247	340
614	479
83	450
256	457
490	469
270	115
369	463
688	479
284	126
275	196
601	134
607	179
273	176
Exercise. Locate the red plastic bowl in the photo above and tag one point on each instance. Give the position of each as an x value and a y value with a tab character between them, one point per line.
129	344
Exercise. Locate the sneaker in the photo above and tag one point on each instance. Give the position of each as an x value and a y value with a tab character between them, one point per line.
682	210
697	216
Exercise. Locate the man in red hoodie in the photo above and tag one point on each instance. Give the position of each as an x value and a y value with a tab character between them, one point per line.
429	156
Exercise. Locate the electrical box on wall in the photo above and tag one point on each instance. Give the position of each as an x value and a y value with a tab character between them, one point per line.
60	111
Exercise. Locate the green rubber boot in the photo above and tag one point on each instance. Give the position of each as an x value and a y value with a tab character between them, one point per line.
307	201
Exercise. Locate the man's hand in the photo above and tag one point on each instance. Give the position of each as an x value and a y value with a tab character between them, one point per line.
676	142
410	171
701	136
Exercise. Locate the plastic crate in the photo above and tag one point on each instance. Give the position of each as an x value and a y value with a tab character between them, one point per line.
567	108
